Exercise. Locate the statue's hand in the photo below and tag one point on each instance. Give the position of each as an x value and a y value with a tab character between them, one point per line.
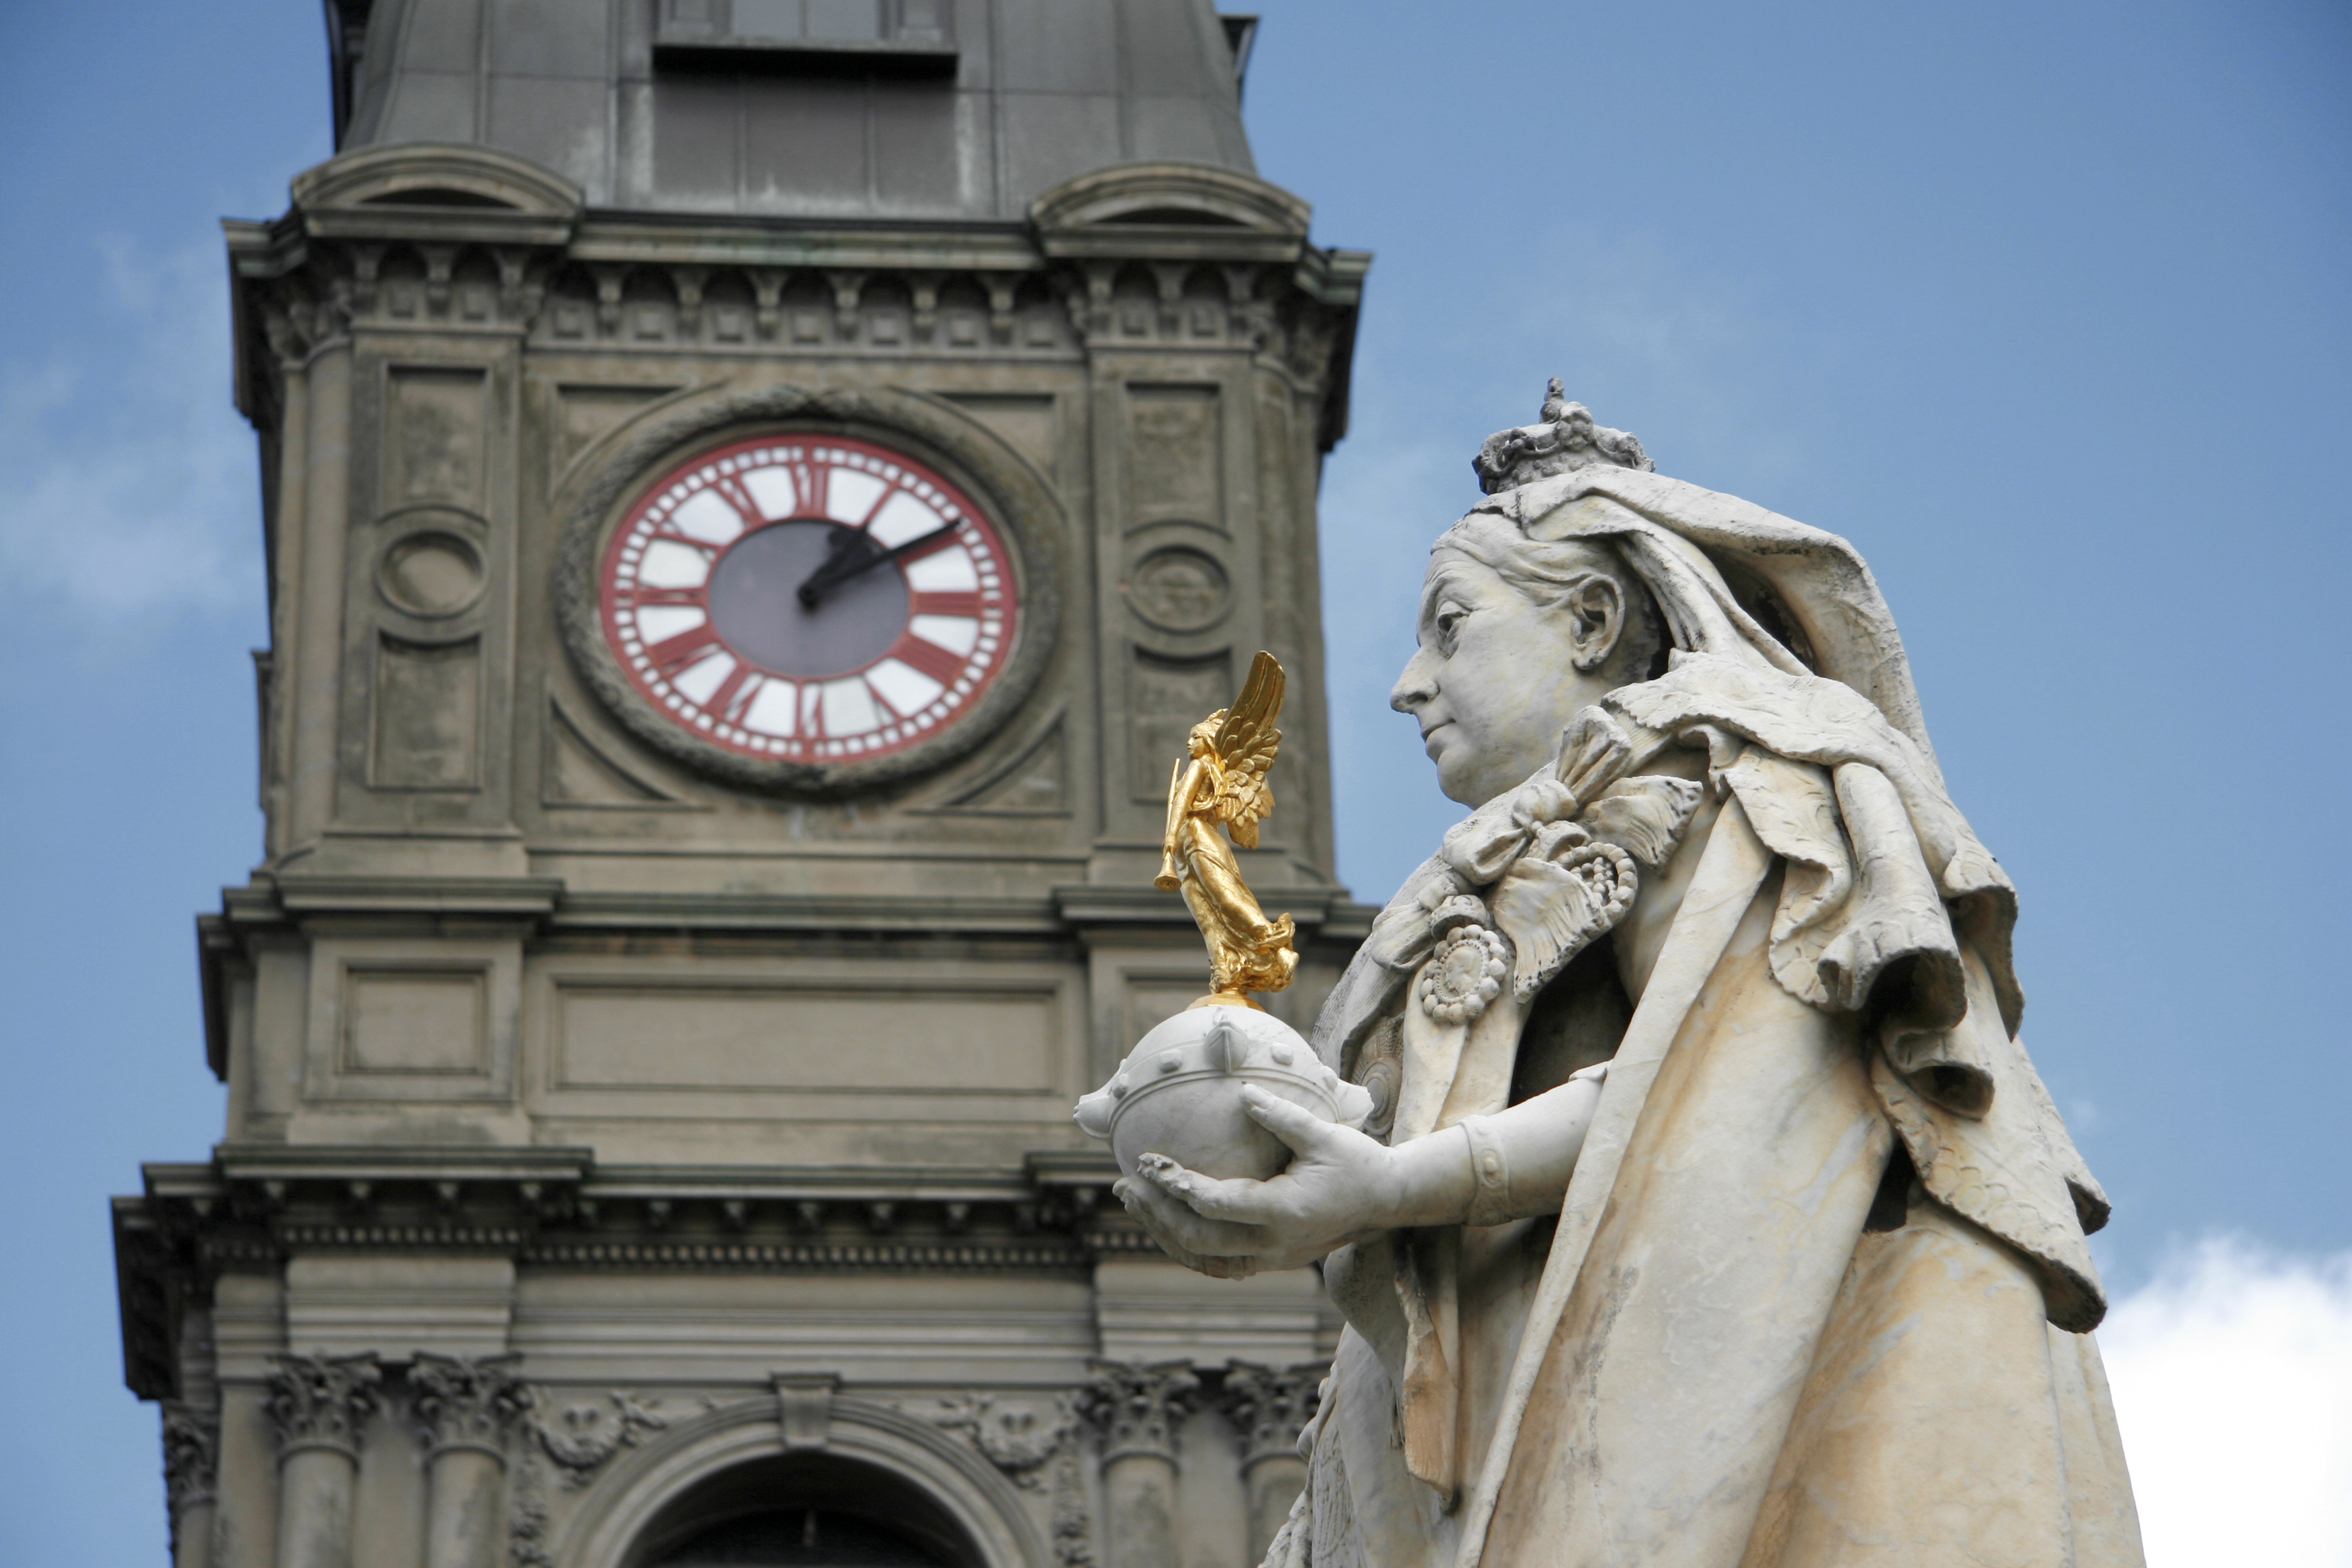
1340	1186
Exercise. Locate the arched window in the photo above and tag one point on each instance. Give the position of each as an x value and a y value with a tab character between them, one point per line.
800	1537
816	1510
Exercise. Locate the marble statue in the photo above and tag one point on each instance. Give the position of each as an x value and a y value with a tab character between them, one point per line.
1708	1210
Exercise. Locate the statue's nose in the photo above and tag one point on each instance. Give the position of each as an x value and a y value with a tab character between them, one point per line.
1414	687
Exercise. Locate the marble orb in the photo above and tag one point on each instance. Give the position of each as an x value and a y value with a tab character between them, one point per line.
1179	1093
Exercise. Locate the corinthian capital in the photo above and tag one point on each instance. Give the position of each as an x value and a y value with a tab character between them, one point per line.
1136	1408
473	1404
191	1453
322	1400
1269	1409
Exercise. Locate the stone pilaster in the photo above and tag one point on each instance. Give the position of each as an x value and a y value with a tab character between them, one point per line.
1268	1410
319	1405
1135	1410
466	1411
191	1478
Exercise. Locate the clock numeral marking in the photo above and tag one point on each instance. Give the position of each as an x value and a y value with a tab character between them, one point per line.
673	537
944	603
732	693
874	692
812	710
730	491
673	654
930	657
645	595
773	709
814	483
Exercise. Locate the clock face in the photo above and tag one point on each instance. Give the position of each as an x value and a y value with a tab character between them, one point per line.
808	598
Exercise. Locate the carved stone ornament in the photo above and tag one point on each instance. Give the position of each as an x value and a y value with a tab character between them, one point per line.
1269	1409
527	1518
1073	1524
1016	1438
584	1436
472	1404
1179	589
322	1401
1566	893
1136	1408
1565	441
1464	974
191	1453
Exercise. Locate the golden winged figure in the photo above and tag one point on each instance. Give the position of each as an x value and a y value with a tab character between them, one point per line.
1224	781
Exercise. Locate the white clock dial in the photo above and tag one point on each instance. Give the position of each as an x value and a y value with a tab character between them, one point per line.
808	599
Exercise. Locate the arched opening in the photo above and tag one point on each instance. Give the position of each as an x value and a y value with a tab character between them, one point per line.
804	1510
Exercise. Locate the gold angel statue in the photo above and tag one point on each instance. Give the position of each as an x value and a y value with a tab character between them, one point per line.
1224	782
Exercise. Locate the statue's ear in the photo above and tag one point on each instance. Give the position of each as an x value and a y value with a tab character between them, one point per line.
1596	610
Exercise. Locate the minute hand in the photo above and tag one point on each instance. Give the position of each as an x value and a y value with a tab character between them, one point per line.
837	571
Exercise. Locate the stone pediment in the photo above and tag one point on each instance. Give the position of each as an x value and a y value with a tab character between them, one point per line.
1170	206
385	189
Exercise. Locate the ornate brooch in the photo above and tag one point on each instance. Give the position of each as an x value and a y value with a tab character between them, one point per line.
1464	974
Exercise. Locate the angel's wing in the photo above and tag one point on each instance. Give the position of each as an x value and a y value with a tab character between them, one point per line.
1245	746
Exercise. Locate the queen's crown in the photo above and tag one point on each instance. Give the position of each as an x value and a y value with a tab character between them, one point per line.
1565	441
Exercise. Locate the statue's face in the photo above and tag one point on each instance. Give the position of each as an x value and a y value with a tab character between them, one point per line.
1499	676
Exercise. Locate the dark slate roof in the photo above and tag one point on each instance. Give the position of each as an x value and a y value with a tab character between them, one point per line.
917	108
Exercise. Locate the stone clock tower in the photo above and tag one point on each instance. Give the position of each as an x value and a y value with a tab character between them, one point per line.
756	491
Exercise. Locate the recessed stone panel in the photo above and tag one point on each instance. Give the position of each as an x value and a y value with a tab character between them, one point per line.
808	1036
1174	454
428	715
434	446
415	1020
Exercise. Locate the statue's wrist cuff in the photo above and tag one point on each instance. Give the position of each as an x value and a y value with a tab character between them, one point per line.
1490	1174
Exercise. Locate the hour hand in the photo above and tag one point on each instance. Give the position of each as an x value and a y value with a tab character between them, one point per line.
842	565
842	559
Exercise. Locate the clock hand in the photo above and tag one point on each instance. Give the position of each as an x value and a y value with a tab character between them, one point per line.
838	569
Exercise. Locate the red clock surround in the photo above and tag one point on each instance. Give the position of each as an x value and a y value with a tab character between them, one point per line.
705	605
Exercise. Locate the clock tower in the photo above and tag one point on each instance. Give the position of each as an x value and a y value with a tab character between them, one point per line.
756	493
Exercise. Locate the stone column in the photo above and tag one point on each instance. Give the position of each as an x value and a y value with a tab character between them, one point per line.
291	490
192	1427
465	1411
190	1471
1268	1410
1136	1409
319	1405
315	702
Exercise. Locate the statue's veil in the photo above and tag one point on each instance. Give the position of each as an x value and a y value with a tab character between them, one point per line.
1732	578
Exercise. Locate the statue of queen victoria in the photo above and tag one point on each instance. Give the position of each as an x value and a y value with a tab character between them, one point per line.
1711	1213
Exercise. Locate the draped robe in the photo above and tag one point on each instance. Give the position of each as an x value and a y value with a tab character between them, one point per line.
1820	1294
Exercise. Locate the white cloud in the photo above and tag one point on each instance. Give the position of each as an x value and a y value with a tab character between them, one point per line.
129	475
2232	1378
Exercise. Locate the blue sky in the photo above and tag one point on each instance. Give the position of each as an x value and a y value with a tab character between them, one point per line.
2044	306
